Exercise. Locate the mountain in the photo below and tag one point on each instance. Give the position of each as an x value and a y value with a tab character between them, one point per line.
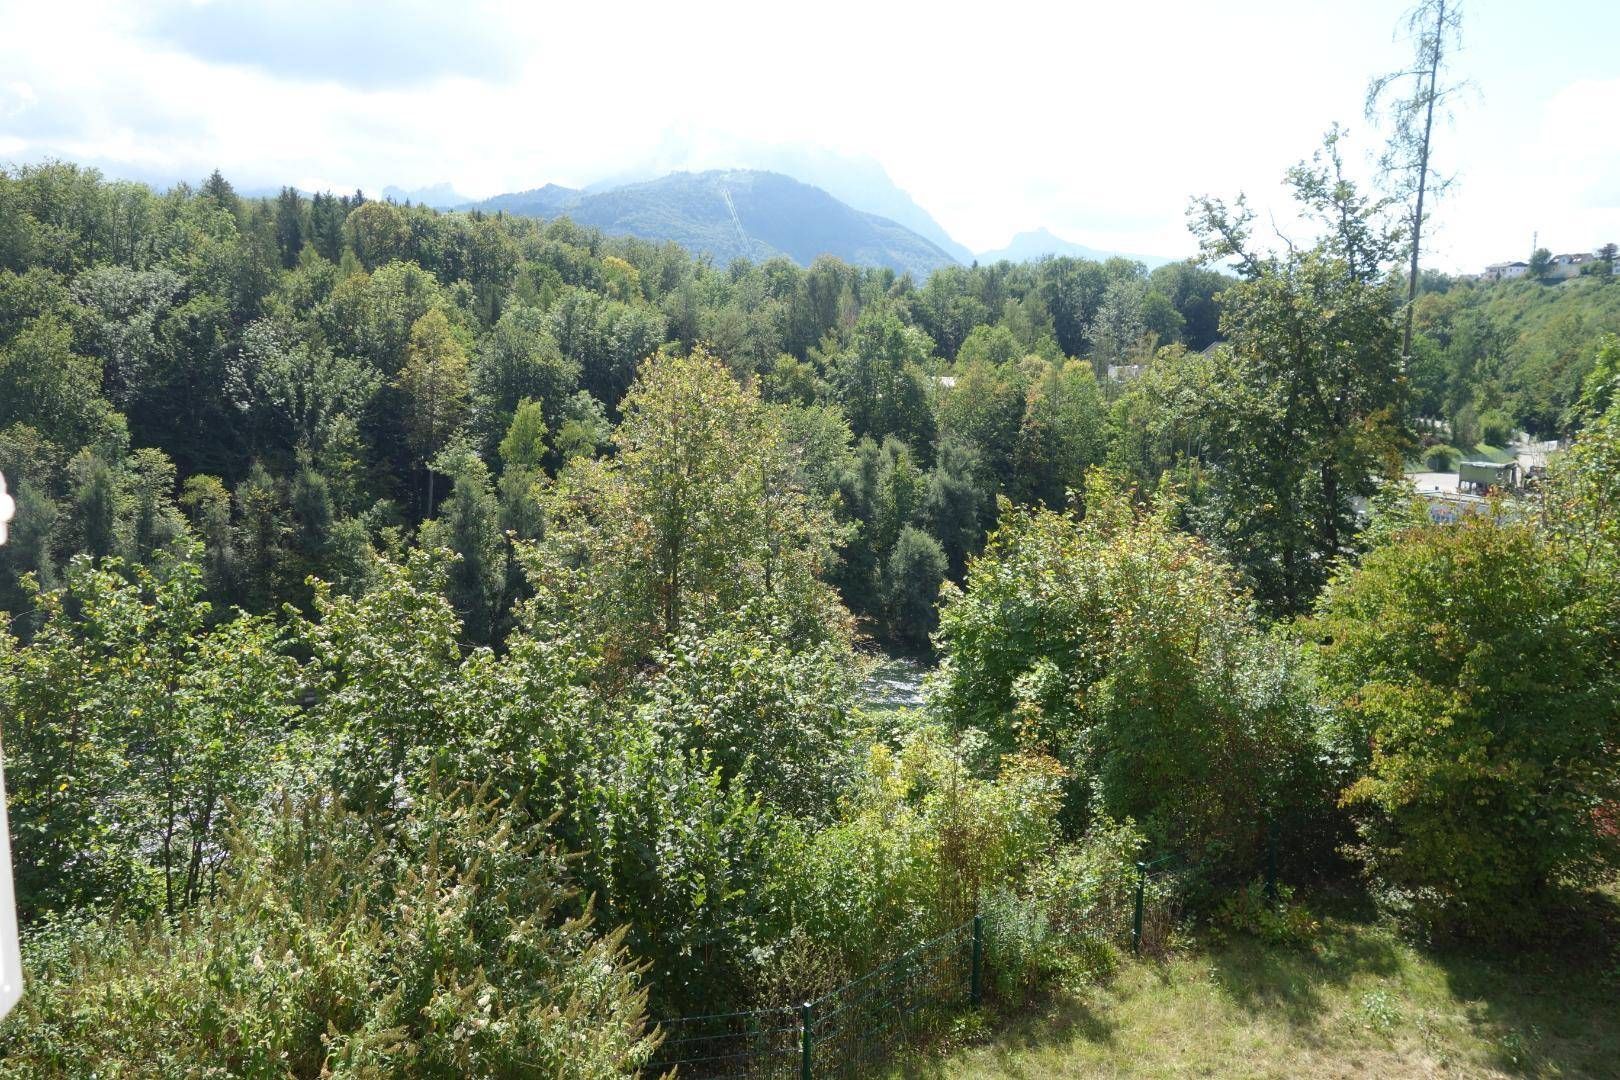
737	213
859	181
1027	246
440	196
540	202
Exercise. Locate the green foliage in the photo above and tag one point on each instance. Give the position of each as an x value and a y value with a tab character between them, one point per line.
469	526
1441	458
1021	950
434	382
1071	916
1085	889
1540	264
882	381
519	361
1495	428
911	582
383	665
699	515
47	384
525	440
444	948
1125	649
922	841
133	726
1477	738
630	613
1515	346
769	717
1315	407
1280	922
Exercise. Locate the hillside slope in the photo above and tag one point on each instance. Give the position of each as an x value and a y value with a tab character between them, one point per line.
737	213
1027	246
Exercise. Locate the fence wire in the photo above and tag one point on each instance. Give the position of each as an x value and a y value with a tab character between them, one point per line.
761	1044
847	1032
853	1030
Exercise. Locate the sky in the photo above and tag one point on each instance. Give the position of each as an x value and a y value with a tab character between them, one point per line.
1098	121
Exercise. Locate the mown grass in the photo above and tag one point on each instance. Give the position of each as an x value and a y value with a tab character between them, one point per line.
1358	1002
1481	452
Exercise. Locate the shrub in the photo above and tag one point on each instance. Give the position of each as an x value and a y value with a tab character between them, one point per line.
1086	888
444	951
1442	458
131	721
1282	923
1478	710
1021	950
770	717
1125	649
922	841
1495	428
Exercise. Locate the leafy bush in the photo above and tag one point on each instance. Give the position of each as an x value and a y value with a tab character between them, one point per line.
131	722
444	950
923	840
1495	428
1478	709
664	843
1086	887
1021	949
1283	923
386	672
1442	458
771	717
1127	650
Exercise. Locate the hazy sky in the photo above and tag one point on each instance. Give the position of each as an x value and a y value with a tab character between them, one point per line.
1095	120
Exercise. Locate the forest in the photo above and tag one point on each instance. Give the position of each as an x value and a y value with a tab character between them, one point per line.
433	641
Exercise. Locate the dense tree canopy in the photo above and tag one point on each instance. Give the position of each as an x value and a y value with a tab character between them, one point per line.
497	590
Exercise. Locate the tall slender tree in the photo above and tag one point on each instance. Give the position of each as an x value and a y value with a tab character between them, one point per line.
1434	28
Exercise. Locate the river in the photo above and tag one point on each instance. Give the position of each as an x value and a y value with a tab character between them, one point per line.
894	683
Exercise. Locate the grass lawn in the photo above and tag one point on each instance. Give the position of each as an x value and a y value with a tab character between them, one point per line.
1482	452
1361	1003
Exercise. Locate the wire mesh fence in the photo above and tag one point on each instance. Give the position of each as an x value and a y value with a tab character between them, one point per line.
852	1030
762	1044
846	1032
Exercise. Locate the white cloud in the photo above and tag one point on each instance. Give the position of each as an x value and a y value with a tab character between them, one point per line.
1096	120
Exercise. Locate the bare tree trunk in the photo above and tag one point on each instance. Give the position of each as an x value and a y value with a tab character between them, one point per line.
1423	173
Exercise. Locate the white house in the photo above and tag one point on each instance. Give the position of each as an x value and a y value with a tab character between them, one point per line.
1506	271
1568	266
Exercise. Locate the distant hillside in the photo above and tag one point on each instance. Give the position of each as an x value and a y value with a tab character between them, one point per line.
1033	245
727	214
541	202
859	181
439	196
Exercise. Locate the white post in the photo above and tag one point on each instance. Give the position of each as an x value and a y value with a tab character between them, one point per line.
11	981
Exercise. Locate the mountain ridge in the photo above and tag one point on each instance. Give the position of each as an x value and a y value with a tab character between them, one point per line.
736	213
1038	243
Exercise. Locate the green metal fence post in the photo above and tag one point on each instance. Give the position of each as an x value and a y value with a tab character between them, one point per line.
975	988
1136	920
1271	863
806	1026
